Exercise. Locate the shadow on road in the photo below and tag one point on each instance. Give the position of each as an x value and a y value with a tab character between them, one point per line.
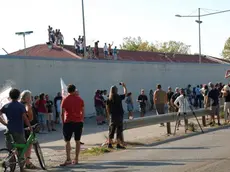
177	148
118	165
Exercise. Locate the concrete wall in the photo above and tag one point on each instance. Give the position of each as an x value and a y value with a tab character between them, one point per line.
43	75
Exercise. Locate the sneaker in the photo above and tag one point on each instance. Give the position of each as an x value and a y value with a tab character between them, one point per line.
110	146
120	147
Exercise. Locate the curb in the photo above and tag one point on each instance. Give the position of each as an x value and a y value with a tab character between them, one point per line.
187	135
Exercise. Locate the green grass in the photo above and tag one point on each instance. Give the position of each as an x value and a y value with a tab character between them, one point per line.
95	151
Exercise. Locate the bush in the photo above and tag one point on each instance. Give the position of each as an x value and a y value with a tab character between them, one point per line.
192	127
222	114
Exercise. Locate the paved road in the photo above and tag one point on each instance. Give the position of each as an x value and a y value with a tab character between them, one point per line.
206	152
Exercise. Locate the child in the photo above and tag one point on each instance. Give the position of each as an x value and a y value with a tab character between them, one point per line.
16	116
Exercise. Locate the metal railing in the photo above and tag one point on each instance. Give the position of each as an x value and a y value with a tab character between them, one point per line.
165	118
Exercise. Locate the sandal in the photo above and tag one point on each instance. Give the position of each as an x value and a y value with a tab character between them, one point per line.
74	162
66	163
30	166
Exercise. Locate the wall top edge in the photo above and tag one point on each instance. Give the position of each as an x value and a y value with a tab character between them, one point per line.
102	61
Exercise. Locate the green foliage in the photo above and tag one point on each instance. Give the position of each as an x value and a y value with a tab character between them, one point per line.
95	151
192	127
137	44
226	50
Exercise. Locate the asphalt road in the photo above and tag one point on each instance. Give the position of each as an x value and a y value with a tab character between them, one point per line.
208	152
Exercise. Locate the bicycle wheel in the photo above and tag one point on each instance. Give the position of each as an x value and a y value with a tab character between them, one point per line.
8	160
39	154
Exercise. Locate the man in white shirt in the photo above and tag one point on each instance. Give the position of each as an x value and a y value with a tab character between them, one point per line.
105	51
183	106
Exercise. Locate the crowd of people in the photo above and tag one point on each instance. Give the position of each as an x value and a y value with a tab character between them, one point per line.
55	37
93	52
29	110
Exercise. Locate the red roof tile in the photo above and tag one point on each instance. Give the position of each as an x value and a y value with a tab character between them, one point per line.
42	50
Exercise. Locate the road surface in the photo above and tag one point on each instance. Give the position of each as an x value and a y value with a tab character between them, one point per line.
208	152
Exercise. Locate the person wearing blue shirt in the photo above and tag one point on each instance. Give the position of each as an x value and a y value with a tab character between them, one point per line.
198	97
16	116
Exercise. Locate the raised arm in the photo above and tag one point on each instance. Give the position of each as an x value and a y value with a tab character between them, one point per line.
2	120
125	89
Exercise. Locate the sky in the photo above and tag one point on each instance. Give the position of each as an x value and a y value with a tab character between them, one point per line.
112	20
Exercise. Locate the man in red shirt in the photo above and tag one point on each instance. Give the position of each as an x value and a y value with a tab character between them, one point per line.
72	119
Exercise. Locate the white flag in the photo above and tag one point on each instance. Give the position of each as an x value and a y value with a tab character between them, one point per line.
63	88
4	99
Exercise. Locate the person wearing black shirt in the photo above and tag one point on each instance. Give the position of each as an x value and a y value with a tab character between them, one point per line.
50	117
57	104
169	96
174	97
115	112
142	99
214	96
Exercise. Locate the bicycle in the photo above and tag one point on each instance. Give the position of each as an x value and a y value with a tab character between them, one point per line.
16	155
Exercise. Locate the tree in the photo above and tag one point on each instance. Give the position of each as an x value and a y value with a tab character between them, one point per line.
137	44
226	50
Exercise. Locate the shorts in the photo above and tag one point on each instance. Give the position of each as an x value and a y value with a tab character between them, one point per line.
215	110
41	118
18	138
160	108
106	53
50	117
129	107
70	128
99	110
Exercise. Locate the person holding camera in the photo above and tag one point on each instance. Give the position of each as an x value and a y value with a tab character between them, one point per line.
115	113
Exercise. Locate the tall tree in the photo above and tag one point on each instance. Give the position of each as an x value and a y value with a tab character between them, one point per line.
226	50
137	44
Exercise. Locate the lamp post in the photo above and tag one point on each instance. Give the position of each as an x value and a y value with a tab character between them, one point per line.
199	22
24	37
83	20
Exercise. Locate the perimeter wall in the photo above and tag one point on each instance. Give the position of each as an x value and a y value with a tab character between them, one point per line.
43	75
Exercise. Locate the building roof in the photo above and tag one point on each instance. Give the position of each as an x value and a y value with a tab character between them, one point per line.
42	50
68	51
143	56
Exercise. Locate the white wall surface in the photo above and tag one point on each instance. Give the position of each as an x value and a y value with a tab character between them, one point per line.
39	75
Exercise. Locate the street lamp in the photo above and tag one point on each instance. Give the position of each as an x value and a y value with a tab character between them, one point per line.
83	20
199	22
24	37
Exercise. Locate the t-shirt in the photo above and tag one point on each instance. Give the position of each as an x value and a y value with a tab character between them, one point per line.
214	95
116	108
41	106
197	90
143	99
169	95
14	112
174	97
74	107
98	100
49	105
57	103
